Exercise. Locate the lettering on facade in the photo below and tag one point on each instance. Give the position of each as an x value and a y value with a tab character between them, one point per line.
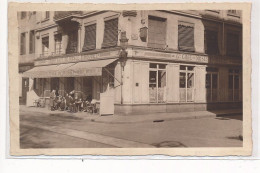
178	56
77	58
69	73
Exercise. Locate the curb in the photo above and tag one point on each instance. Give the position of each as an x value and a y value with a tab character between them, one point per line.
165	119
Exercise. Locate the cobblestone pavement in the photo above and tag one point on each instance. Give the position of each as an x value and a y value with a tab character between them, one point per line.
43	130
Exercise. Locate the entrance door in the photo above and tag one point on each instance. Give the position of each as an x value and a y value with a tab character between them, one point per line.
55	83
25	89
87	87
69	84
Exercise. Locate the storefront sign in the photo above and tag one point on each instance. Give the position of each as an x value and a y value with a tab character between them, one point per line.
77	58
68	73
187	57
172	56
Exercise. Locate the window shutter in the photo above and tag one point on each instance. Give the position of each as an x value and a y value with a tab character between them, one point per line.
73	42
156	32
186	37
211	42
90	38
232	44
110	33
22	44
32	41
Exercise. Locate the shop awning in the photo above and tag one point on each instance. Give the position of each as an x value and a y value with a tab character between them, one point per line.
88	68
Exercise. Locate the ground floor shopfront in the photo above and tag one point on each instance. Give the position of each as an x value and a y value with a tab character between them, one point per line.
159	86
149	82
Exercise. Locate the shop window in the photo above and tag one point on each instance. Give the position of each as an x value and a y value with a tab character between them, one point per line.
186	37
212	84
58	44
72	42
233	85
186	83
156	32
90	38
157	83
45	46
211	42
23	44
87	87
32	42
233	44
110	33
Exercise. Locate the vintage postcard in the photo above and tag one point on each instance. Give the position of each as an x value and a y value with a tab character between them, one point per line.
133	79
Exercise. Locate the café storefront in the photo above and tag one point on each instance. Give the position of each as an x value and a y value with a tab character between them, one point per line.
87	75
149	82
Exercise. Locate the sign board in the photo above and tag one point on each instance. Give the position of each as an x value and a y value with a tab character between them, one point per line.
107	102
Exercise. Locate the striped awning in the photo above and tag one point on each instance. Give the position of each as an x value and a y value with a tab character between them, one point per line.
88	68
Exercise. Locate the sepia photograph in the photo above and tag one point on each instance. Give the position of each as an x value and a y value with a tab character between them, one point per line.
130	79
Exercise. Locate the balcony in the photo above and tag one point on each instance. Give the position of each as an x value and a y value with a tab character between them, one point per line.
59	15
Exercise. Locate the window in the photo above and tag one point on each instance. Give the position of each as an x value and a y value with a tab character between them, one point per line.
211	42
32	42
156	32
110	33
234	12
232	44
186	37
212	84
72	42
47	15
23	15
58	44
45	46
157	83
233	85
186	83
90	38
23	44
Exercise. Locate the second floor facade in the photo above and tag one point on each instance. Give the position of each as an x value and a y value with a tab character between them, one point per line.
57	34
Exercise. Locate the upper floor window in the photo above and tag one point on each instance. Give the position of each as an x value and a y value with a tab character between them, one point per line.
23	15
156	32
233	12
72	42
186	36
90	37
22	43
110	33
211	42
233	44
45	46
32	42
58	44
47	15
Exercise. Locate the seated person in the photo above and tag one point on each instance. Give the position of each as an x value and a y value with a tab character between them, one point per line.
62	104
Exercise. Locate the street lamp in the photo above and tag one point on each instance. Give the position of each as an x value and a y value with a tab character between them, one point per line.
123	58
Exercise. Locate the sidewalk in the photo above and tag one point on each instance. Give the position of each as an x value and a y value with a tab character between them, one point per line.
125	119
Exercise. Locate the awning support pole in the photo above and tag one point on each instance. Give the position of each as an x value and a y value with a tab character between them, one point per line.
113	76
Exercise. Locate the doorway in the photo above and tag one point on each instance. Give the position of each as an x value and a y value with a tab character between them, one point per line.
55	83
69	84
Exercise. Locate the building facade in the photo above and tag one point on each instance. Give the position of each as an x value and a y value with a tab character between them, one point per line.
155	61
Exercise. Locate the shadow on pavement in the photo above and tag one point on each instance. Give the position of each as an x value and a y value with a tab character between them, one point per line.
228	117
169	144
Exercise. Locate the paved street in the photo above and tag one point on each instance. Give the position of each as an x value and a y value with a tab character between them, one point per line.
42	130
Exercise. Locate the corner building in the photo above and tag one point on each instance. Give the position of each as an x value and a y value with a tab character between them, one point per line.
156	61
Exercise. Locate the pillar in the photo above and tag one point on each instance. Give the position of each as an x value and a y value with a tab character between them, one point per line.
172	90
200	89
